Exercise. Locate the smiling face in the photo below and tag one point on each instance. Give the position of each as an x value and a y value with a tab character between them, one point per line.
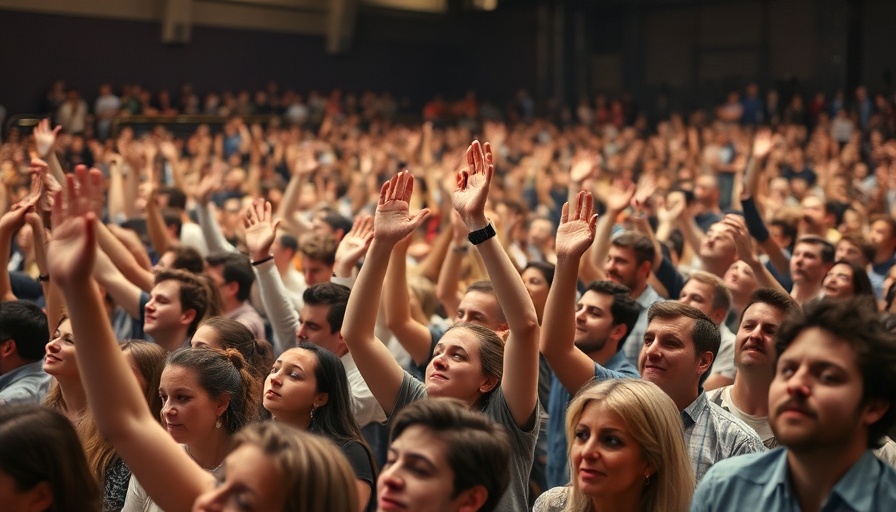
838	282
455	370
606	460
815	398
417	476
61	360
669	359
290	390
248	480
189	413
754	346
622	267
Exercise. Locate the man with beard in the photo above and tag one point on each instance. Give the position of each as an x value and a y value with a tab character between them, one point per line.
830	403
629	262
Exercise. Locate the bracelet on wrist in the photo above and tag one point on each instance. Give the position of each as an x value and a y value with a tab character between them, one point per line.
255	263
461	249
44	278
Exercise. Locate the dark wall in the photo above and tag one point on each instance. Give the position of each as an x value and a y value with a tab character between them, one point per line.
409	55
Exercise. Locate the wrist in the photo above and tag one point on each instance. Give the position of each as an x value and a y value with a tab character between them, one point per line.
476	223
343	269
261	257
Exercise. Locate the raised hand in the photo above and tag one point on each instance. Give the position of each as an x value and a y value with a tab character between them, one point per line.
584	166
211	183
72	249
260	229
646	187
393	221
354	245
14	219
472	185
621	194
44	137
576	231
762	143
670	209
736	228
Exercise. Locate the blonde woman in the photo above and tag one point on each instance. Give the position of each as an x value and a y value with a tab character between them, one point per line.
626	452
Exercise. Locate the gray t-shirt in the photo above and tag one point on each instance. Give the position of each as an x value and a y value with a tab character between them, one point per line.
522	442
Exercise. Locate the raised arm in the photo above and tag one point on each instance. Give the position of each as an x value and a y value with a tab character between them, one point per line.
214	238
520	379
260	232
449	276
11	222
558	330
413	336
737	229
164	469
618	199
391	223
44	141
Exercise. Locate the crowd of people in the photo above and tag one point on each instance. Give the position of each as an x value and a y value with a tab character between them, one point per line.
332	310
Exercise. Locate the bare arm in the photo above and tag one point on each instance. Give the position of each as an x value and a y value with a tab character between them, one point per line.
619	198
737	229
391	223
123	259
44	141
164	469
576	232
520	379
449	277
413	336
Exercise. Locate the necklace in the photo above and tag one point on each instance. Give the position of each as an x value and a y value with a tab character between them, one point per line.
210	470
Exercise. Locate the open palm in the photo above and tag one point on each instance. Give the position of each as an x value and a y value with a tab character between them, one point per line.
473	182
576	231
393	221
260	230
72	250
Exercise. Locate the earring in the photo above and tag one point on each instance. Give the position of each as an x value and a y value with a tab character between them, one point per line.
218	423
647	480
313	407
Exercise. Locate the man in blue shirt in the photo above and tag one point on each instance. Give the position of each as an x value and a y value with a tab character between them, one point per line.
581	341
831	401
23	339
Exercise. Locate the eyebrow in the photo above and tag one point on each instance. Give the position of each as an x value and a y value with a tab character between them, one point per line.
415	456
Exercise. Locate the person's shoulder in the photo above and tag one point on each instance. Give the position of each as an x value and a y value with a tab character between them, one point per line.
754	467
552	500
736	434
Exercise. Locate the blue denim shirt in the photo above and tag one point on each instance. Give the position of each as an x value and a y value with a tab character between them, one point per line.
557	468
761	481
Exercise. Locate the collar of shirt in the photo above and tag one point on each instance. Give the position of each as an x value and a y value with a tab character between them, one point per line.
25	370
692	412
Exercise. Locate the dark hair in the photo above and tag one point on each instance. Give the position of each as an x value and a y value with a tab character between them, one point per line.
705	333
195	293
289	242
624	308
865	246
861	283
40	445
827	248
329	294
637	242
222	372
546	269
26	324
172	218
774	298
233	334
334	419
237	269
186	258
854	322
176	198
788	229
477	448
336	221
